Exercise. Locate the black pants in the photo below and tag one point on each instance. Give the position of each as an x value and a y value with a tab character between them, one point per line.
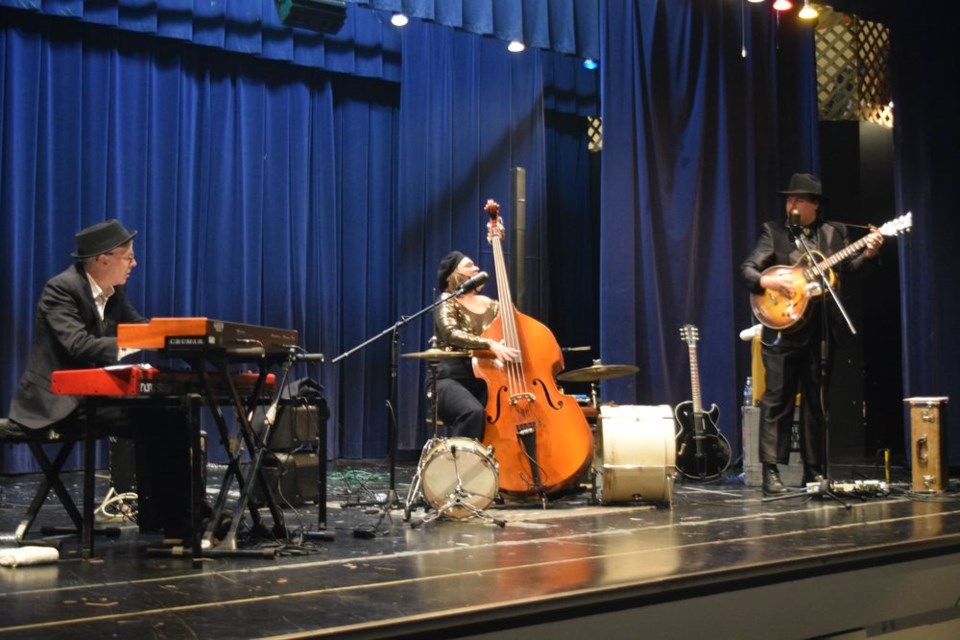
461	406
162	459
790	370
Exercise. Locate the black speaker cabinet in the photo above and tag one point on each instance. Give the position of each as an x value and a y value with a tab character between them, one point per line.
297	427
293	478
318	15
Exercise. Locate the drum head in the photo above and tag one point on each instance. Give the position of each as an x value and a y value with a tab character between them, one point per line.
463	463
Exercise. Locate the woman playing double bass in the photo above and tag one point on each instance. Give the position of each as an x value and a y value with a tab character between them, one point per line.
459	323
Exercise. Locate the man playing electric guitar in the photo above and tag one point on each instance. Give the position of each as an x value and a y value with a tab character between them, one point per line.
791	355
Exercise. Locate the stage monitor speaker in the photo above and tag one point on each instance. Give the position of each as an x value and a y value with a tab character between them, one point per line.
317	15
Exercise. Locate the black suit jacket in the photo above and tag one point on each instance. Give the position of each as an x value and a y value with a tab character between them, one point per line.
67	334
776	247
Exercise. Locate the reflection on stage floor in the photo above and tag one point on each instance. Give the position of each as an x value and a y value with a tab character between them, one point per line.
720	560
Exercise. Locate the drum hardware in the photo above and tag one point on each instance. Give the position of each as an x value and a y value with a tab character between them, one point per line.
434	354
594	374
457	477
473	489
597	372
414	495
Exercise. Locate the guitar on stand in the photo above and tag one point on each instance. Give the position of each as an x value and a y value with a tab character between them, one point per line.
703	453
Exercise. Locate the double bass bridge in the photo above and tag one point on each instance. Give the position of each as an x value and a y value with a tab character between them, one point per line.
517	397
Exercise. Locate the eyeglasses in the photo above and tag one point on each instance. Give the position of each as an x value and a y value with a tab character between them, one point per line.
128	257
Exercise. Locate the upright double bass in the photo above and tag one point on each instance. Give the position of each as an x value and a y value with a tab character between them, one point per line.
539	435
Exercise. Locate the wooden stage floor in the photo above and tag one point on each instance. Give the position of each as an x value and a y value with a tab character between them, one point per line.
720	561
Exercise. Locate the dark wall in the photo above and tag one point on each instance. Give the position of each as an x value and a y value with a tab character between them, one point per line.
866	390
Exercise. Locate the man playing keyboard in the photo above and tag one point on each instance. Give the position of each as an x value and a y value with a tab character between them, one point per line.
75	328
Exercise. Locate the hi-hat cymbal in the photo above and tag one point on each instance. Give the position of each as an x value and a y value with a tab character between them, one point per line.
436	354
597	372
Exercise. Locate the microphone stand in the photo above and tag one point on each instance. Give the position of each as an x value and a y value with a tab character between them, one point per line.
392	499
824	282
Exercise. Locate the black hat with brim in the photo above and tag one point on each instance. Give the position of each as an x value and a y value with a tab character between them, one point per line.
100	238
803	183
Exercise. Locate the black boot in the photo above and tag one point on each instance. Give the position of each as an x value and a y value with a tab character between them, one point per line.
771	479
812	473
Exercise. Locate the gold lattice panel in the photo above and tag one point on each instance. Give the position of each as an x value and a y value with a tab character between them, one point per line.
853	71
594	134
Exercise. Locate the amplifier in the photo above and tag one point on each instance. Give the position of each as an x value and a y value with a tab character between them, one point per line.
293	478
297	427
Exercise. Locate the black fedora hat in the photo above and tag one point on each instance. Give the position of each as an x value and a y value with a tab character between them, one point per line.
803	183
100	238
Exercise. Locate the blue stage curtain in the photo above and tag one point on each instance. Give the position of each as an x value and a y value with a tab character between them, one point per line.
470	111
563	26
365	45
229	168
270	193
926	139
691	165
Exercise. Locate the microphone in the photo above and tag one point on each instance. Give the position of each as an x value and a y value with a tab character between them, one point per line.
794	222
472	283
748	334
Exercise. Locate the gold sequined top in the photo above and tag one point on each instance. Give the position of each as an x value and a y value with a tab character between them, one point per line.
460	328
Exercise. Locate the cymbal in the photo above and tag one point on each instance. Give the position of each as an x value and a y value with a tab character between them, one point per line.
436	354
597	372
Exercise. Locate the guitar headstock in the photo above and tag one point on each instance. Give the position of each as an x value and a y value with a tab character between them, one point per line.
690	334
897	225
495	225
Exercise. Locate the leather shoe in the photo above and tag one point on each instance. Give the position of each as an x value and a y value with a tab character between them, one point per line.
771	479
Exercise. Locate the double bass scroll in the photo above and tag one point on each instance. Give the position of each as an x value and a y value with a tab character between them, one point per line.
540	436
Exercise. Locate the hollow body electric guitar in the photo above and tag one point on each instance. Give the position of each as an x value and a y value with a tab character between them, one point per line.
777	311
703	452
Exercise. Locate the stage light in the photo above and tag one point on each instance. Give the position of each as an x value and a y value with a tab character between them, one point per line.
808	12
782	5
755	1
515	46
399	20
590	64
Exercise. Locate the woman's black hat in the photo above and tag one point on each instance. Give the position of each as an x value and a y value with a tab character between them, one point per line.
447	266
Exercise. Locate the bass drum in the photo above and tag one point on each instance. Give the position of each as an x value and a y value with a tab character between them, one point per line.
636	454
468	460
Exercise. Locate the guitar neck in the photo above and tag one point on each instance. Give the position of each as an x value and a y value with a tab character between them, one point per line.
695	379
848	251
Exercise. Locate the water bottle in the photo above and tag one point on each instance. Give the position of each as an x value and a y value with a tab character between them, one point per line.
748	392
